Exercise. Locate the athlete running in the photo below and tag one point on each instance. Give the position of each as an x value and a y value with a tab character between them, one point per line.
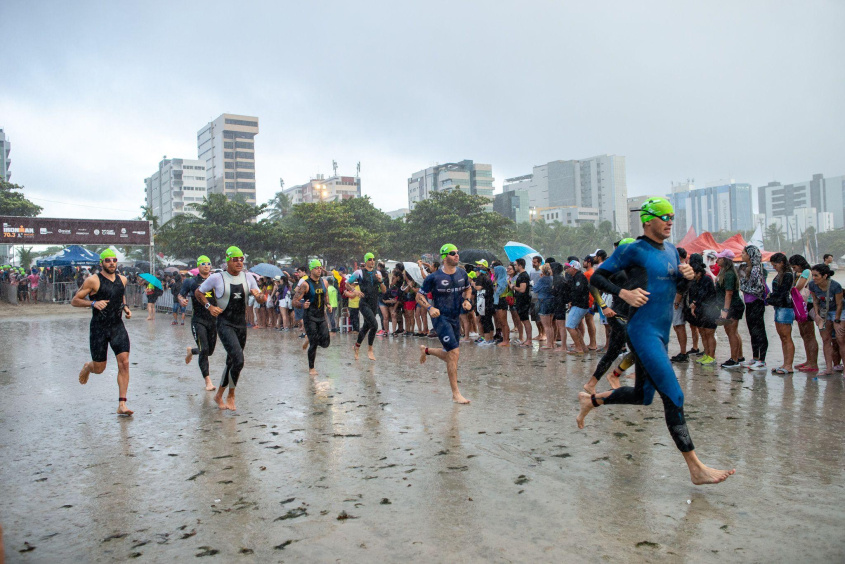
230	288
203	325
312	294
617	317
104	294
654	272
370	285
450	290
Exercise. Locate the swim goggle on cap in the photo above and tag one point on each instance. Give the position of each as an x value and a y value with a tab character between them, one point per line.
447	248
233	252
314	263
655	207
369	256
108	253
626	240
203	260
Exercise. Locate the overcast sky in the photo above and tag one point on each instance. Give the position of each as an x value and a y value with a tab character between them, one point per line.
94	94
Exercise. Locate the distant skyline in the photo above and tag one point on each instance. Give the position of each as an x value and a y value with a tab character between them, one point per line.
95	94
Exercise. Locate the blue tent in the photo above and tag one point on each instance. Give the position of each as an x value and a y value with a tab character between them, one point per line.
74	255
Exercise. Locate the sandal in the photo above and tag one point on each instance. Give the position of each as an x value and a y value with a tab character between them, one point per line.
781	370
805	368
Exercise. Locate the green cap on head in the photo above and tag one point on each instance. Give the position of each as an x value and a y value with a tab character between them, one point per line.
473	274
626	240
369	256
655	207
233	252
108	253
314	263
447	248
203	259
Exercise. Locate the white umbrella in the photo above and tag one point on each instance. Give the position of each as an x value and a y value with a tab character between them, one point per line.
413	269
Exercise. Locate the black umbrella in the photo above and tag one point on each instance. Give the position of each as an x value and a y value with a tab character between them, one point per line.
469	256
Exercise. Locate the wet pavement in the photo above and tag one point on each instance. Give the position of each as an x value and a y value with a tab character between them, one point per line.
372	461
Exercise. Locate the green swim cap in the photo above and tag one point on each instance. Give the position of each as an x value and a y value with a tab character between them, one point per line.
108	253
314	263
655	207
626	240
233	252
447	248
203	259
369	256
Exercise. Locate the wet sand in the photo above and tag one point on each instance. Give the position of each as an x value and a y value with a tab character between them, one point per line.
372	461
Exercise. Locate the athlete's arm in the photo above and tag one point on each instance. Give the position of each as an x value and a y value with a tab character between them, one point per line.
299	293
252	286
90	286
467	305
126	310
422	298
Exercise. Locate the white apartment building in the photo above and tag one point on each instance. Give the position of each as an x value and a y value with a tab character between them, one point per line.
825	195
5	161
596	182
322	189
396	214
466	176
226	146
801	219
176	185
568	215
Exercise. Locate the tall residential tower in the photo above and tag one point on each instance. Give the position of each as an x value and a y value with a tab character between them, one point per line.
226	146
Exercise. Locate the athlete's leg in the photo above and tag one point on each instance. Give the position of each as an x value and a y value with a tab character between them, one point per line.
203	349
98	341
313	338
370	329
447	332
615	344
232	339
119	343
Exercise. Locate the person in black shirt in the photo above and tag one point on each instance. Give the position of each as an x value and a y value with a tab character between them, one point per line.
203	324
522	299
579	299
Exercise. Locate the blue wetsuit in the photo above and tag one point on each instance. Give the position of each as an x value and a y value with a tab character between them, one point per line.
653	267
447	291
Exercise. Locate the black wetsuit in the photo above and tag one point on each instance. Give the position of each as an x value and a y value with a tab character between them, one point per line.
618	327
231	326
203	324
368	306
314	319
107	329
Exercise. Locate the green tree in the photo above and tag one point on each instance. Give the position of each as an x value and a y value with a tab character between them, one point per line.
279	207
12	202
774	237
148	215
25	255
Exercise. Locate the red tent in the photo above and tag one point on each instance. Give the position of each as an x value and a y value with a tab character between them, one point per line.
688	238
705	241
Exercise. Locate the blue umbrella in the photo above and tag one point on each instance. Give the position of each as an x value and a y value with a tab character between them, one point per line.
516	250
266	270
152	280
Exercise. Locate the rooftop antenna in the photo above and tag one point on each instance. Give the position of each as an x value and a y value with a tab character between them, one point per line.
334	166
282	183
358	170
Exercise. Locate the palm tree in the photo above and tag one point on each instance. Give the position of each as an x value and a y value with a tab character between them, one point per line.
26	255
774	236
280	206
147	215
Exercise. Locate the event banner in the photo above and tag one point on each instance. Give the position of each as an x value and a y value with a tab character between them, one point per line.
57	231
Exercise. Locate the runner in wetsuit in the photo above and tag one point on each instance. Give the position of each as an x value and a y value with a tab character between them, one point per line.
654	272
230	289
104	294
203	325
450	290
617	317
370	285
312	294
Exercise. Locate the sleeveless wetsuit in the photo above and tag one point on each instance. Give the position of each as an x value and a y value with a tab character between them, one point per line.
231	323
369	286
107	329
314	319
653	267
203	324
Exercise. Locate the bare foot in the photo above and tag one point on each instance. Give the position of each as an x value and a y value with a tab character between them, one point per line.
503	344
422	354
545	348
84	374
613	380
586	406
575	352
371	355
356	348
123	410
189	356
208	385
312	371
305	344
590	386
149	319
218	397
458	398
705	475
230	402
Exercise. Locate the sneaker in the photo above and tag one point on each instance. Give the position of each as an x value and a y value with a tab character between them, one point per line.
680	358
708	361
432	334
730	364
747	363
695	352
473	334
838	368
741	360
380	333
173	323
759	365
182	323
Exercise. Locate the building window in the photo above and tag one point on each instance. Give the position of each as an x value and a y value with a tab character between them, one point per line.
244	145
228	155
243	164
228	145
243	155
245	185
230	186
250	175
241	122
229	175
229	165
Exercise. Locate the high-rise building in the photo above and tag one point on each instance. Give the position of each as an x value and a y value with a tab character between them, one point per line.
226	146
593	183
635	226
722	206
321	189
513	205
466	176
396	214
825	195
5	161
176	185
572	216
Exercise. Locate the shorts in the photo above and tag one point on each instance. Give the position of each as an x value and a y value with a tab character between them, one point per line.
547	306
487	324
523	310
678	317
177	308
736	311
104	336
448	331
298	313
784	315
409	306
502	305
535	310
576	314
560	314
